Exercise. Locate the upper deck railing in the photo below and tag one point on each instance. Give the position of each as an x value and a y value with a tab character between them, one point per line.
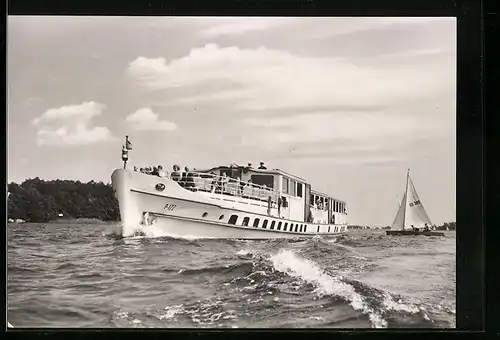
205	182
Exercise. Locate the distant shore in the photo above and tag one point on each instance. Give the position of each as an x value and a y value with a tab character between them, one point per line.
80	221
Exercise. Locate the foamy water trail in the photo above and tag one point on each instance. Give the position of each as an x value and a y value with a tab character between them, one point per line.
287	262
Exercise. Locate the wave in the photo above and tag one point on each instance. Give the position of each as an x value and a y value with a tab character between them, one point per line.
244	268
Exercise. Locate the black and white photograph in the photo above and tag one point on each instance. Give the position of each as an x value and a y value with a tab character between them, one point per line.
231	172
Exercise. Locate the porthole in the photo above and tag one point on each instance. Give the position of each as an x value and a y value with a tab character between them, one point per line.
204	214
233	219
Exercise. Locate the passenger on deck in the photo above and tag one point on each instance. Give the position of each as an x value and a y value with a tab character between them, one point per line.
135	168
189	184
262	167
155	171
161	173
222	183
142	170
426	228
213	185
183	177
239	186
175	175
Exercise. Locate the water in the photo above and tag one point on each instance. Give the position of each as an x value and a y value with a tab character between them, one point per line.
84	276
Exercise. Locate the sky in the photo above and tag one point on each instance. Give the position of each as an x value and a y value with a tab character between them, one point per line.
349	104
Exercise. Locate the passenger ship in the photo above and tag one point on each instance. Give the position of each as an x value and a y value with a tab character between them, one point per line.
225	202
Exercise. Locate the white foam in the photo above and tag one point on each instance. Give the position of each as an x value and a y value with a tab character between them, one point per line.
243	252
287	262
171	311
390	304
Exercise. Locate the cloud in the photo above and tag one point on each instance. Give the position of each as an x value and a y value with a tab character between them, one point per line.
272	79
146	120
71	125
235	26
364	139
350	25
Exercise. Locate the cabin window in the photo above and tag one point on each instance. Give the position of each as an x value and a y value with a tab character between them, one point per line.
299	189
292	188
335	229
228	172
279	226
256	222
305	228
328	229
233	219
286	225
264	224
318	229
267	180
300	229
246	220
272	224
221	217
285	185
296	227
204	214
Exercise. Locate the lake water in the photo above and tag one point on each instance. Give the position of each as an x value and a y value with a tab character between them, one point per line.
84	276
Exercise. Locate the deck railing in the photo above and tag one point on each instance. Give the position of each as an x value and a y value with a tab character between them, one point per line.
198	181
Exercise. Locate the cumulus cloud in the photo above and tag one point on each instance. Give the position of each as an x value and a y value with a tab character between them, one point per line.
146	120
274	79
71	125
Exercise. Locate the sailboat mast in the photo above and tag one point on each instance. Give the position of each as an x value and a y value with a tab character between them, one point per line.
406	198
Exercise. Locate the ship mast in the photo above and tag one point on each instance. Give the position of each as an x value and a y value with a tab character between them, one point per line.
406	198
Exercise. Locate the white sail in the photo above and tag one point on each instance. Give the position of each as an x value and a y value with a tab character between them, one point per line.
415	214
398	223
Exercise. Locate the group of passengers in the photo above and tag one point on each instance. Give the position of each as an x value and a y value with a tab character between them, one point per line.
320	205
152	170
185	178
213	182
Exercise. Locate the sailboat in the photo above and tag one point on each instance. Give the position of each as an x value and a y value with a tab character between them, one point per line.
411	218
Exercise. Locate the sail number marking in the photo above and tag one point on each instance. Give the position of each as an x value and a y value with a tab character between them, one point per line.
170	207
414	203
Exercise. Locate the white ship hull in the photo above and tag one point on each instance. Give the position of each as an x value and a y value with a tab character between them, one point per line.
148	208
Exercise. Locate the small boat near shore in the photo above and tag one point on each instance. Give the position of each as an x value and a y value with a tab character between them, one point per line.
411	218
224	202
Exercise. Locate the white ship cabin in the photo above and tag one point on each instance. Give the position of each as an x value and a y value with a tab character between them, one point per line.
290	195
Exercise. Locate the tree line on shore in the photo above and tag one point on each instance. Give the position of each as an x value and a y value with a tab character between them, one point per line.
444	226
37	200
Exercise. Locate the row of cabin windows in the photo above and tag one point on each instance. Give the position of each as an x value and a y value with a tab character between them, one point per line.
291	187
286	227
323	203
